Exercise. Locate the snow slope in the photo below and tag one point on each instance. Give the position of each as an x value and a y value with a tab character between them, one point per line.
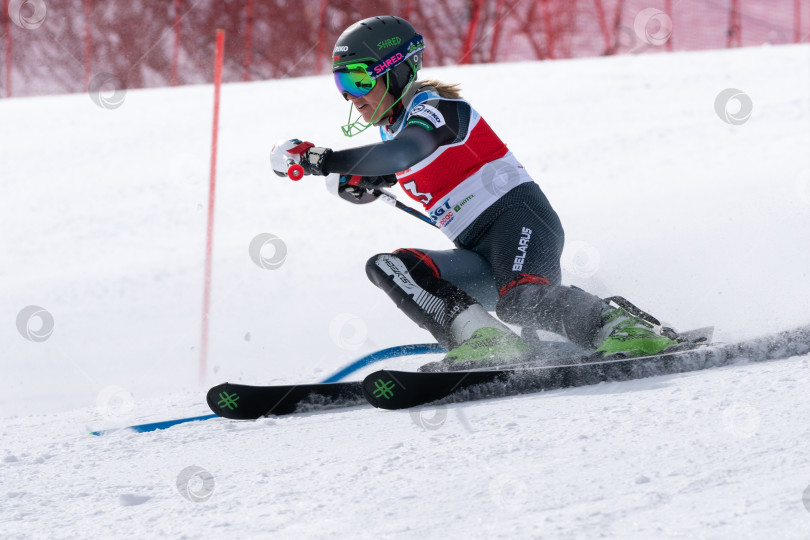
699	221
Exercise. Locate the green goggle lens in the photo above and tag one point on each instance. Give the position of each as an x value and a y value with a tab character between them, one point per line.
354	80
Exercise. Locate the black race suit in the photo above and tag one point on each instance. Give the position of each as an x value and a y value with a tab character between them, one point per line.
508	238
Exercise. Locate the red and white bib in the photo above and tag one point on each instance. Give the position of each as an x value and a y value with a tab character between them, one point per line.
458	181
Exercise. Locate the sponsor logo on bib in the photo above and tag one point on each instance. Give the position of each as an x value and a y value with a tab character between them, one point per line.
430	113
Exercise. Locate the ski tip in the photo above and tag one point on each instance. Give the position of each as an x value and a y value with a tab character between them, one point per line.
386	389
393	390
372	385
221	400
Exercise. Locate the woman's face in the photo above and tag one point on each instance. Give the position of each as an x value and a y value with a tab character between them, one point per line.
366	105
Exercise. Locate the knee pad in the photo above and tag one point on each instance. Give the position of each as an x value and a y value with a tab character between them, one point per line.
418	262
405	265
409	265
386	270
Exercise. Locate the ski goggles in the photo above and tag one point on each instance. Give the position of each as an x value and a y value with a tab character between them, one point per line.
354	80
359	79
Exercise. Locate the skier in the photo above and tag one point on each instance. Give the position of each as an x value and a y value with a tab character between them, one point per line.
508	238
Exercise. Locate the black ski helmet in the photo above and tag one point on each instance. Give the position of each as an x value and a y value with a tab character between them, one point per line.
376	38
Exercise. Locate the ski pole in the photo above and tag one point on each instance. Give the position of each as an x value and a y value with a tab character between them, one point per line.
391	199
296	172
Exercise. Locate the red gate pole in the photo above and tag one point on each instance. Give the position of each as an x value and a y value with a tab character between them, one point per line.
7	31
178	6
248	58
797	21
209	237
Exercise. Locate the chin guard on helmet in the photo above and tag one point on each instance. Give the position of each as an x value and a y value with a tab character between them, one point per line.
357	126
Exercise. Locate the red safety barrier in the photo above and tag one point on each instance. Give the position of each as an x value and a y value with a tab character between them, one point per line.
167	43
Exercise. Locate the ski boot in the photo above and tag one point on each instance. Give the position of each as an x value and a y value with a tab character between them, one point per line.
487	347
627	332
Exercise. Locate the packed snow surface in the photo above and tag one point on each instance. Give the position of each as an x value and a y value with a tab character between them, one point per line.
696	219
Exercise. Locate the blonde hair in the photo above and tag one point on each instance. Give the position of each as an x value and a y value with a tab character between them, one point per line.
446	90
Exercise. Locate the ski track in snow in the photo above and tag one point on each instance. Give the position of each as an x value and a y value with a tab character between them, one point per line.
696	220
669	456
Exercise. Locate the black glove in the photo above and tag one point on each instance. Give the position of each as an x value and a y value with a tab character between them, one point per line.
313	159
360	189
378	182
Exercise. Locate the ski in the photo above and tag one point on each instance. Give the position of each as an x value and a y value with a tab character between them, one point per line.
388	389
243	402
377	356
